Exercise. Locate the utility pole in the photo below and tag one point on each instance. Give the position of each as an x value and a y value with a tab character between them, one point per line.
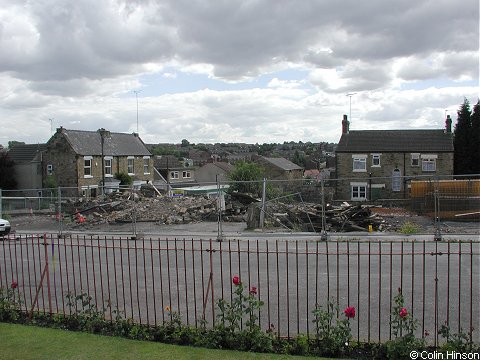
136	97
350	113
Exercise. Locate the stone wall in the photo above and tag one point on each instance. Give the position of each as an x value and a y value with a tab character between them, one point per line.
381	177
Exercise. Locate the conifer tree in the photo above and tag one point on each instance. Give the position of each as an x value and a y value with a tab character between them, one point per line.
475	139
461	141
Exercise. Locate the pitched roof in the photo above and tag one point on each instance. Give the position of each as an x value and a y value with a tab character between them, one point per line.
116	144
25	152
224	166
282	163
396	141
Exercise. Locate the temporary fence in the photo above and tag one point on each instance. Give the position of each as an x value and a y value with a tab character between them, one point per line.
439	198
148	279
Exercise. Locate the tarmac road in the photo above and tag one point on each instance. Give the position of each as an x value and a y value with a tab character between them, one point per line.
292	272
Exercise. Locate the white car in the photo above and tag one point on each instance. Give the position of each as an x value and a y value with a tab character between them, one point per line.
4	227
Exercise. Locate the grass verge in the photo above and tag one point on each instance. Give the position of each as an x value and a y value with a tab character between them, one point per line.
30	342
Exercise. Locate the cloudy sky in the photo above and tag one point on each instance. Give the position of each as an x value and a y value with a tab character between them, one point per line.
234	70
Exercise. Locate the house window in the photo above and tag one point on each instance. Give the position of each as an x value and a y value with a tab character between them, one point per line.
174	175
376	160
49	169
396	180
359	163
186	175
415	160
359	191
146	165
87	166
108	166
429	164
131	165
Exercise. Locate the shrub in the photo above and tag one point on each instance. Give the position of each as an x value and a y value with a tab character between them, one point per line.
409	228
403	326
332	334
10	303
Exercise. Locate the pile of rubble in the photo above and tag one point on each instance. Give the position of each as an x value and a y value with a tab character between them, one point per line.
309	217
127	207
148	206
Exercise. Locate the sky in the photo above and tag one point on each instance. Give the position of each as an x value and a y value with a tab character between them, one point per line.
219	71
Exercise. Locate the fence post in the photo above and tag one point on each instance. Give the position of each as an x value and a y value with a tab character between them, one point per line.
262	212
220	206
324	236
60	220
436	202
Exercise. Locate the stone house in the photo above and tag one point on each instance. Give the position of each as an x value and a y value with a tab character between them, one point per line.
280	168
83	160
373	164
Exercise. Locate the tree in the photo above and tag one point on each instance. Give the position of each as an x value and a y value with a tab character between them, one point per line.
7	178
475	139
12	143
247	177
185	143
462	139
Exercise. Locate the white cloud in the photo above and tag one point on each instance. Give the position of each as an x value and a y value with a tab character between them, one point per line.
78	62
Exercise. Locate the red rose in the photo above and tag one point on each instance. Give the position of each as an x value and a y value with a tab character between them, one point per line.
403	313
236	280
349	312
14	285
253	290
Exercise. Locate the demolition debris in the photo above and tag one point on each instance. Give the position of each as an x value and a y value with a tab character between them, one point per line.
147	206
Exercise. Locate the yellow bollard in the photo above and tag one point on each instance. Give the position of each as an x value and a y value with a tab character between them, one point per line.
370	228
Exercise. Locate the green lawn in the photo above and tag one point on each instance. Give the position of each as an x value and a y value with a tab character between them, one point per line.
30	342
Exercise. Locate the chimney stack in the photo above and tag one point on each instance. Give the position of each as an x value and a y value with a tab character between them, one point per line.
345	125
448	125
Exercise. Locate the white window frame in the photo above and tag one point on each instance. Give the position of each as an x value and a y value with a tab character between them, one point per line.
429	163
90	167
108	161
376	157
415	157
187	174
132	166
359	160
146	165
356	191
49	169
174	175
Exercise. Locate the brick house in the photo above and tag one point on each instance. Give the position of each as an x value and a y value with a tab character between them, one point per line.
372	164
81	160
